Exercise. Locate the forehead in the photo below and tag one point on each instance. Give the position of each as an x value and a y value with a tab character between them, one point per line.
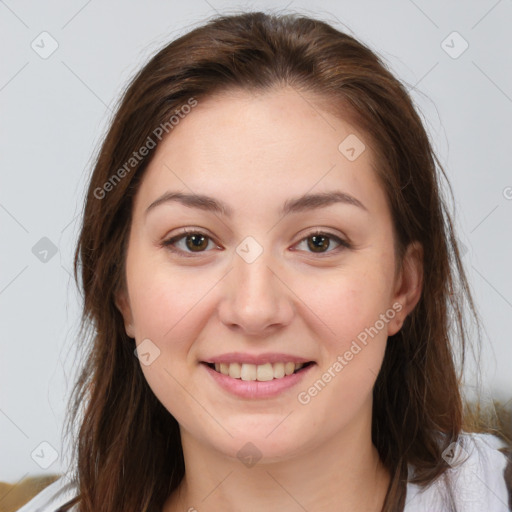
265	145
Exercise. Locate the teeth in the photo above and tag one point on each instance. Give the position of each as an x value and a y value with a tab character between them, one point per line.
289	368
264	372
279	370
260	372
248	372
235	370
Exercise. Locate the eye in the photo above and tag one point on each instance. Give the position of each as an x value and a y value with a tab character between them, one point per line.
188	242
320	241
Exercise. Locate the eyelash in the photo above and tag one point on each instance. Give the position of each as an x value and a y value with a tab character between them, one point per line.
343	244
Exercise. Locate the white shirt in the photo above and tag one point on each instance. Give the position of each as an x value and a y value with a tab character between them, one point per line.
476	475
477	478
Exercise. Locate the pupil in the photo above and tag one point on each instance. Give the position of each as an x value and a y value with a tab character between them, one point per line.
197	242
319	242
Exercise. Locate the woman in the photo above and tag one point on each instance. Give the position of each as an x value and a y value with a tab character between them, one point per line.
272	278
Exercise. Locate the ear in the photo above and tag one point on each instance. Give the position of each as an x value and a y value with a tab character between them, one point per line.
408	285
123	305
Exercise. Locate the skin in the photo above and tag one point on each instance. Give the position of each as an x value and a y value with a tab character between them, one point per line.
254	152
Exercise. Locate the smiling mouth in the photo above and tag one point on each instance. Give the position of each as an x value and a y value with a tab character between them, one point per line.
258	372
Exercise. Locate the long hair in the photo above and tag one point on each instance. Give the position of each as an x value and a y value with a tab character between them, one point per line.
128	450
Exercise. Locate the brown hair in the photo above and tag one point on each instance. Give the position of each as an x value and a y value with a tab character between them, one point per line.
128	449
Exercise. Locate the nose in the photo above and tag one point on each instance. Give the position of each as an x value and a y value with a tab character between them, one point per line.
256	299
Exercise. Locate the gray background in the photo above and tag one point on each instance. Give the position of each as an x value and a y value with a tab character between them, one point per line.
55	111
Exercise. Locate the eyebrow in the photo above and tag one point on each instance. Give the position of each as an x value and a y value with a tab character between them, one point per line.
296	205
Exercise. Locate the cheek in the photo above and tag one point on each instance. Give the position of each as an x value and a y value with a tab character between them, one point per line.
159	307
164	300
353	349
354	308
171	309
347	303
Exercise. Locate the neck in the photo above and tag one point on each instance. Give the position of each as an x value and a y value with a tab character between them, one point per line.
343	474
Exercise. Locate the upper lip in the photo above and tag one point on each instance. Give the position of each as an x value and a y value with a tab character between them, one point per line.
269	357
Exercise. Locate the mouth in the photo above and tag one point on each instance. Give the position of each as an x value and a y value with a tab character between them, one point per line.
259	372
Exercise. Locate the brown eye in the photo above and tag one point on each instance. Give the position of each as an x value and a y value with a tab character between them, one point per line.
322	243
196	242
189	242
318	243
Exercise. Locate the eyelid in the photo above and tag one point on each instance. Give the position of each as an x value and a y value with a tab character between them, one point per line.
168	242
343	243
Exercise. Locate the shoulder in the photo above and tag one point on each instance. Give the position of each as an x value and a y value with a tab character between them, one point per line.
52	497
479	478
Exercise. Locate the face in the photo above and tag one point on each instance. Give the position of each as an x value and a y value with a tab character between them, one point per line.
263	277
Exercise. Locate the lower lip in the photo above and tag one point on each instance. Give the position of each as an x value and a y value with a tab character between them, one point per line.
256	389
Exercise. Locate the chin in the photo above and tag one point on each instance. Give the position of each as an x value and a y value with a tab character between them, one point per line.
266	440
